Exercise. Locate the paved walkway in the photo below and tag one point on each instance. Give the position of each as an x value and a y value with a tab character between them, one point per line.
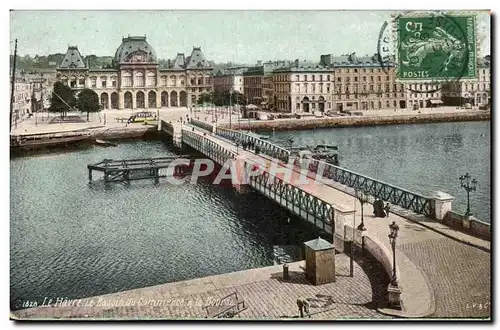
423	292
265	293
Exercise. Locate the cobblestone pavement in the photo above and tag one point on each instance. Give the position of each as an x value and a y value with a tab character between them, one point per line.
459	275
265	293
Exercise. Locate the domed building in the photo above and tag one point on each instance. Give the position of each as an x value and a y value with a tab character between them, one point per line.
136	81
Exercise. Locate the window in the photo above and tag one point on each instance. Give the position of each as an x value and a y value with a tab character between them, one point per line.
328	77
364	78
372	79
314	88
305	87
371	70
328	88
329	105
355	79
193	81
347	79
387	78
313	77
139	79
200	89
103	83
93	82
355	70
305	77
371	88
348	70
81	81
200	81
113	82
320	77
387	104
364	70
379	78
339	79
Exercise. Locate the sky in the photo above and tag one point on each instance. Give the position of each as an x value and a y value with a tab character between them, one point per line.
225	36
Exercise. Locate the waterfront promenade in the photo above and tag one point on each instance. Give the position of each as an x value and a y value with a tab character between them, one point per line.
265	293
106	119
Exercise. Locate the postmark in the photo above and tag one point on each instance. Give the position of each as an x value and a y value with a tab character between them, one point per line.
435	47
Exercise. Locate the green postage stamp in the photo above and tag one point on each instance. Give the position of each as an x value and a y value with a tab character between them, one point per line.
436	46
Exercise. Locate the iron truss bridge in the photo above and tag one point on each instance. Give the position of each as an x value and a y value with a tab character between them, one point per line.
265	147
303	204
203	125
207	147
392	194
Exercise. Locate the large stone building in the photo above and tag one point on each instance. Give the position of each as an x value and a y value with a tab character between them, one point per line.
229	80
476	93
136	81
259	83
302	87
362	83
23	100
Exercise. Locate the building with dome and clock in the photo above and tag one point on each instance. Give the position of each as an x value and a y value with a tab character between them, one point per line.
135	80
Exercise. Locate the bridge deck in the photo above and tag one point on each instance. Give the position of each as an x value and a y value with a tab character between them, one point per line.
415	247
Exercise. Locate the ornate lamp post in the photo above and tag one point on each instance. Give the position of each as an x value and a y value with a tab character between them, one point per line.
468	185
394	291
394	228
362	197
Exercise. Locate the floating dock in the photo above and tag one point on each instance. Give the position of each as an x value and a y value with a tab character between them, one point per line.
127	170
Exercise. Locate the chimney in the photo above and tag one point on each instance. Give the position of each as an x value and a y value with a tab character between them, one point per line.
297	63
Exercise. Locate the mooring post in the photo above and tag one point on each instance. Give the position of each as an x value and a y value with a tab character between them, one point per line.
90	175
106	175
126	176
157	175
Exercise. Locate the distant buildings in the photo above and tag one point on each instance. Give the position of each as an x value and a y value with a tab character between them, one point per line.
302	87
259	83
136	81
362	83
22	102
476	93
229	80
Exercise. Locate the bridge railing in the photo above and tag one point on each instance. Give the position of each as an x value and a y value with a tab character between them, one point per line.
303	204
207	126
387	192
207	147
265	147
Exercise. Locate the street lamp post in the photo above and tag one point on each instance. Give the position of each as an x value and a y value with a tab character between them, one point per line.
362	197
469	185
394	291
394	228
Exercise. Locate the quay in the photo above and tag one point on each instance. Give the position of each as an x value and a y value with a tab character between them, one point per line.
367	119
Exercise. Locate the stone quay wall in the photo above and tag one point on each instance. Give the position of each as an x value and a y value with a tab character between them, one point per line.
353	121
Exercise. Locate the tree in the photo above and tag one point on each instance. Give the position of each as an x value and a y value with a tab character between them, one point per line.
205	98
63	99
88	101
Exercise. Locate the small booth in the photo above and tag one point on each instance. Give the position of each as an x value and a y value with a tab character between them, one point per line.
320	261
